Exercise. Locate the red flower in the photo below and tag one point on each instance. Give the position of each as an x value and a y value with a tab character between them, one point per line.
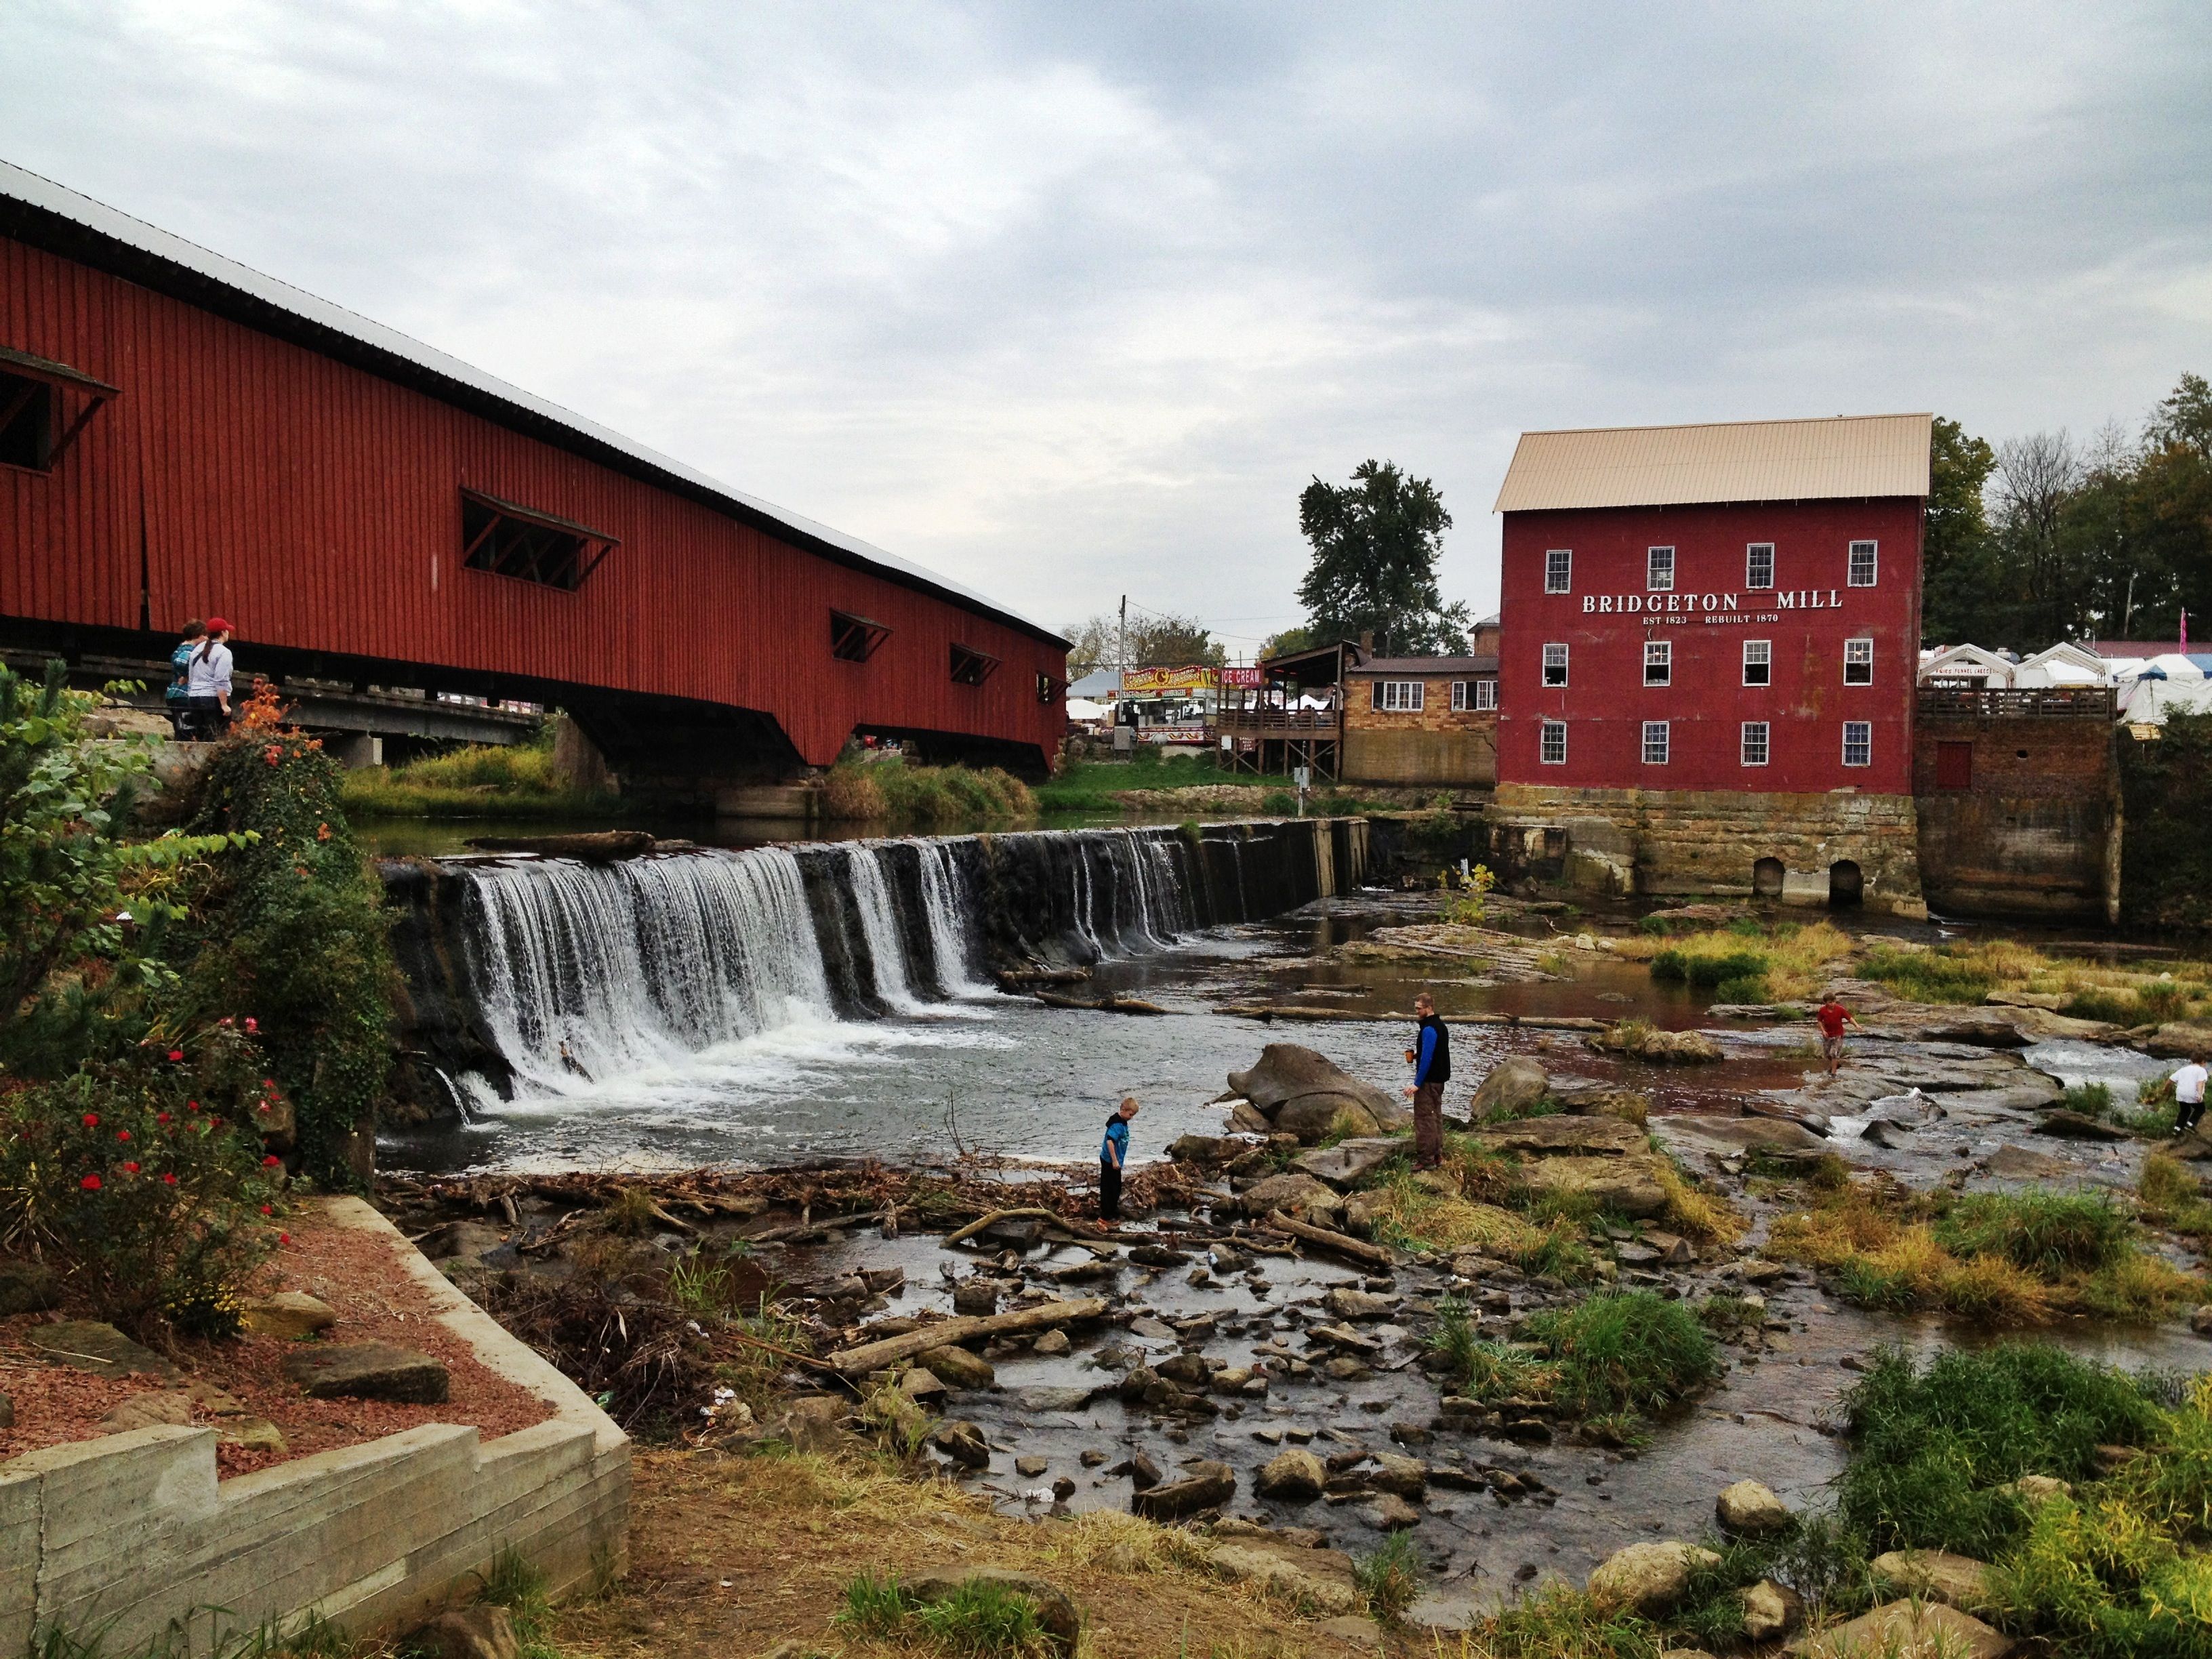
271	1162
283	1238
263	1107
168	1180
160	1117
251	1023
192	1105
176	1054
123	1134
269	1209
90	1183
91	1120
268	1082
131	1168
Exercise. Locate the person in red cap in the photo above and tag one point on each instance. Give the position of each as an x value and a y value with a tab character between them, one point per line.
206	683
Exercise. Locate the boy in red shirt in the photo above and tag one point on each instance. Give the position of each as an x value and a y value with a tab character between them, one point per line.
1833	1016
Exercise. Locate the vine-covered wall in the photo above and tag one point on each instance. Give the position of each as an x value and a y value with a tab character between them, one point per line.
2166	863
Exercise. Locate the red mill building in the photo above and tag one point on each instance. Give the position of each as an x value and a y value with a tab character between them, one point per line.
1710	635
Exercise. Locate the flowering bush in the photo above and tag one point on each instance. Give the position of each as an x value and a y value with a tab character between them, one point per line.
144	1180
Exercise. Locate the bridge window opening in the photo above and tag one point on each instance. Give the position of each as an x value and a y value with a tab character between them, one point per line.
1048	689
530	546
27	422
33	393
854	639
971	667
1766	879
1846	885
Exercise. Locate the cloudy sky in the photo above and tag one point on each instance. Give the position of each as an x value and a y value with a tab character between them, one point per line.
1069	299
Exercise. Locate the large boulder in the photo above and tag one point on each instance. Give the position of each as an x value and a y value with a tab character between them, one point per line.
1647	1579
1319	1578
1636	1040
1292	1476
2179	1040
1287	1073
1906	1629
1511	1089
1750	1508
1205	1485
1314	1118
1771	1610
1298	1196
368	1371
1959	1581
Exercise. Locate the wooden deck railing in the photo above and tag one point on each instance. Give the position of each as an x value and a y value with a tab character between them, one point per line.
1278	722
2088	702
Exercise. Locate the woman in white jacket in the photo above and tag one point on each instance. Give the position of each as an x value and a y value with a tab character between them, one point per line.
206	683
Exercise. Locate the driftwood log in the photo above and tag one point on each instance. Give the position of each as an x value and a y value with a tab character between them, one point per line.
1268	1012
890	1350
1373	1255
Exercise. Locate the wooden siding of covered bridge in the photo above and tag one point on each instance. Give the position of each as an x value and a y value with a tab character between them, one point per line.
316	503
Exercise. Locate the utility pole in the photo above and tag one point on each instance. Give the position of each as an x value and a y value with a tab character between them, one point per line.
1124	636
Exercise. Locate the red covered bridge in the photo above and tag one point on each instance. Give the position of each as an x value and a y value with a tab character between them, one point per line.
181	436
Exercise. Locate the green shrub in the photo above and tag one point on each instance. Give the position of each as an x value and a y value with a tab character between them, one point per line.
1653	924
1932	1445
2090	1099
142	1178
292	930
1928	976
1671	965
2047	1233
1745	987
1625	1350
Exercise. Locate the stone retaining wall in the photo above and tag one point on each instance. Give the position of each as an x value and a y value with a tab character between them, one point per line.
131	1535
1647	840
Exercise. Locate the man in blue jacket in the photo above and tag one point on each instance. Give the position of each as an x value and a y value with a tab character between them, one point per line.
1431	1056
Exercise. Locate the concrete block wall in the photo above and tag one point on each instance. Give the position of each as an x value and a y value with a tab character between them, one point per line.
132	1534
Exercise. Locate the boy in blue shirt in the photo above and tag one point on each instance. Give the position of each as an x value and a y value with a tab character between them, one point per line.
1113	1153
180	663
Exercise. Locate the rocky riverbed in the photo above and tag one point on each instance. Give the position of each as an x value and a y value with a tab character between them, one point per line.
1240	1354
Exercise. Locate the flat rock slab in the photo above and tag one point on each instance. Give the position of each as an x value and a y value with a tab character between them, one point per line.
1904	1630
1959	1581
87	1344
1628	1184
368	1371
1320	1577
1765	1134
1343	1165
290	1314
1584	1136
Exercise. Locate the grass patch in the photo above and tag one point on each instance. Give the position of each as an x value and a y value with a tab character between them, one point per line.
1389	1576
1693	1212
979	1620
2000	1259
1744	962
2153	994
521	1587
478	780
2167	1195
1626	1351
1409	1214
1935	1448
925	797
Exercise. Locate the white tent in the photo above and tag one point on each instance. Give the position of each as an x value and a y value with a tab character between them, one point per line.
2061	665
2172	666
1960	663
1082	709
2147	702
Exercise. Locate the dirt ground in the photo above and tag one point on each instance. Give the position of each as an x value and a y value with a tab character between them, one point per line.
734	1555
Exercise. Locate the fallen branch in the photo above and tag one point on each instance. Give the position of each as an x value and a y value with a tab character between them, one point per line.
1372	1254
874	1356
1051	1218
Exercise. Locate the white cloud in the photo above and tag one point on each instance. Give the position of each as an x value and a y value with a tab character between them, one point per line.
1070	300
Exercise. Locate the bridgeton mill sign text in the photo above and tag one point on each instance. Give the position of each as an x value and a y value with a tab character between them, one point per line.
1713	607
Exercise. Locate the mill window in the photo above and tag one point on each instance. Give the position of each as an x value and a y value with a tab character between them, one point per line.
1758	662
1863	565
1754	743
1658	662
1659	570
1555	664
1655	743
1552	744
1858	743
1858	662
1759	565
1559	570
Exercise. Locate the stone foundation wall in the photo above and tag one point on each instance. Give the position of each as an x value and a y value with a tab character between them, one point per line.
2036	830
1464	757
1621	841
132	1534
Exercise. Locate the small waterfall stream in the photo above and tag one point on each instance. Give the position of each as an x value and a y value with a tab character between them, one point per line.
538	978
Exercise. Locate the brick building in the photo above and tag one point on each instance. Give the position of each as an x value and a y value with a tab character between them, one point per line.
1710	634
1416	721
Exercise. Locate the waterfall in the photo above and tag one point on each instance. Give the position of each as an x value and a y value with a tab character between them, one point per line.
585	972
546	977
944	902
871	894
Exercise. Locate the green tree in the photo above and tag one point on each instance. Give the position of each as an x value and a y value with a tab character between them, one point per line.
1375	548
1290	640
1959	561
1172	643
